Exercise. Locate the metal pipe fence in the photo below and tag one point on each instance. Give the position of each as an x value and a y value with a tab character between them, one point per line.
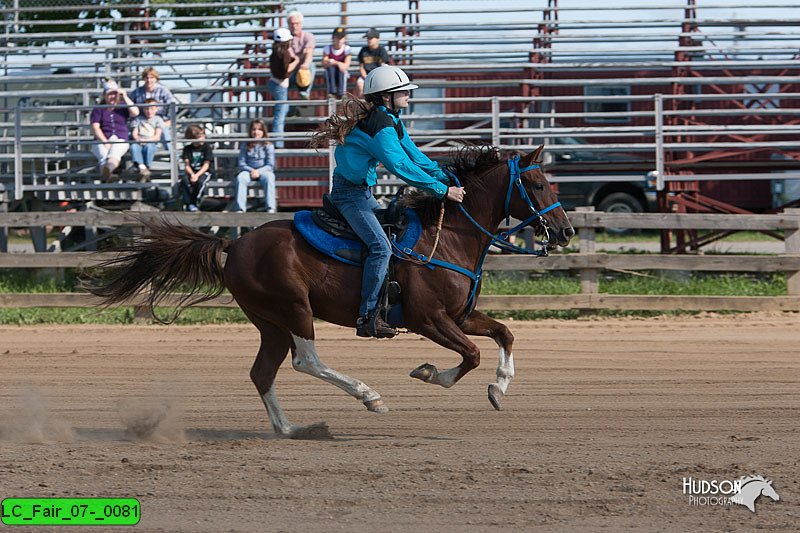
25	136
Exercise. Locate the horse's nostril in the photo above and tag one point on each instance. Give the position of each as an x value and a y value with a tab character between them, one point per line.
569	232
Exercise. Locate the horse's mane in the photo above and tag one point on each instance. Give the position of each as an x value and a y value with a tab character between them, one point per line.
469	162
748	479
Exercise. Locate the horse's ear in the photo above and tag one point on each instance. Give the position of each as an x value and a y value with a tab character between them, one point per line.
532	157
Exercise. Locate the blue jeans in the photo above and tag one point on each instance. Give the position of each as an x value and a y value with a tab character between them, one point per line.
267	180
356	204
280	110
166	136
337	81
143	153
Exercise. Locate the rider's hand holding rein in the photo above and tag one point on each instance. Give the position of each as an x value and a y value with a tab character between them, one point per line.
456	194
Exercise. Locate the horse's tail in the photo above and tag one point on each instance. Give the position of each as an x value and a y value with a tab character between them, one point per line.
166	259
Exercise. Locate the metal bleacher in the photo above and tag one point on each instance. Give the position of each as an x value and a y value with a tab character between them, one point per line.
517	74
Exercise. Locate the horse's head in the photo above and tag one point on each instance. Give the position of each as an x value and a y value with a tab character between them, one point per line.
768	491
530	197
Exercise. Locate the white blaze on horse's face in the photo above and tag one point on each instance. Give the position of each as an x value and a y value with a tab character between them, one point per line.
559	228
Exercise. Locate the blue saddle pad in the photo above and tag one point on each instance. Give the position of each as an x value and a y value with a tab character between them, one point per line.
347	250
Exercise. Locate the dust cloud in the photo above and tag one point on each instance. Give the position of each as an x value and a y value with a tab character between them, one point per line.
33	421
157	418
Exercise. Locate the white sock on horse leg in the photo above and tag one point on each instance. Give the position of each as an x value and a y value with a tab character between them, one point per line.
505	369
280	424
305	359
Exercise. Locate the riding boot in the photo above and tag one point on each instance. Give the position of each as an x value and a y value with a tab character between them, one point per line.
374	326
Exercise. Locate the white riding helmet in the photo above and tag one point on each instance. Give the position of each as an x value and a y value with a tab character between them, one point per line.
282	35
387	78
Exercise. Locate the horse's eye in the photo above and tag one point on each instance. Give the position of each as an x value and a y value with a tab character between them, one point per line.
538	186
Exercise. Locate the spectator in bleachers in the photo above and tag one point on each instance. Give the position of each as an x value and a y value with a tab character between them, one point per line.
151	88
146	132
282	62
369	57
110	128
256	163
336	59
198	157
302	45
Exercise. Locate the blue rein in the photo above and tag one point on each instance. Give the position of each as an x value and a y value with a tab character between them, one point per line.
500	240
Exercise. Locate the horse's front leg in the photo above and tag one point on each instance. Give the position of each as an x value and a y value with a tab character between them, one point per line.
479	324
443	331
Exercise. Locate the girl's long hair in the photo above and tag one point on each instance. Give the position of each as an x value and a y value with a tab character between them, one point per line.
253	143
279	60
350	112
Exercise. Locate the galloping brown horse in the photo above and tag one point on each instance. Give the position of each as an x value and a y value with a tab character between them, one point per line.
282	283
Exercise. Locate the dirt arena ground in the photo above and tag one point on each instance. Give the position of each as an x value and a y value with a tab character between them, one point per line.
602	422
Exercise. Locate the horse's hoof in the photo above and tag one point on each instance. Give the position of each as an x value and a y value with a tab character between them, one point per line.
376	406
496	397
425	372
315	431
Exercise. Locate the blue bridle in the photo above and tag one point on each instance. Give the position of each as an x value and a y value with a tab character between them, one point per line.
500	240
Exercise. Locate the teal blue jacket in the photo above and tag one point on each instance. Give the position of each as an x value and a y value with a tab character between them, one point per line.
381	137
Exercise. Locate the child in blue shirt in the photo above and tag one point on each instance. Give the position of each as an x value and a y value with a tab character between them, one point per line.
256	163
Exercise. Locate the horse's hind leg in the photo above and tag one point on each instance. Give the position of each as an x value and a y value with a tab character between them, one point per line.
305	359
275	344
482	325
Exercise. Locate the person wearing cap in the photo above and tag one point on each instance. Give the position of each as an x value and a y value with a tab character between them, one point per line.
302	44
110	128
370	57
368	132
336	59
282	61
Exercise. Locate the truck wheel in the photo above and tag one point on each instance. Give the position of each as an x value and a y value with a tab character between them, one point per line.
620	202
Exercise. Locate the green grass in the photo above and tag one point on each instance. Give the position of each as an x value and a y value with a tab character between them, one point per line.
37	281
545	284
702	284
678	283
117	315
689	283
654	236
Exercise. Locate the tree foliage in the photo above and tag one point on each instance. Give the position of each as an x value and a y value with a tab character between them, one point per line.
78	20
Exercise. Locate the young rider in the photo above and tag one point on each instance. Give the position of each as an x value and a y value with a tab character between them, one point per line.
368	132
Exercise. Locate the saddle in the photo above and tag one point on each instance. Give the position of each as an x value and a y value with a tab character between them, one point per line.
326	230
392	218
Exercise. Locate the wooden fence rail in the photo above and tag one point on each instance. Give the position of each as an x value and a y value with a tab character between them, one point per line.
588	262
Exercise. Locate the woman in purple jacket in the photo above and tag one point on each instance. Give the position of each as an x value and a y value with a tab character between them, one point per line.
110	128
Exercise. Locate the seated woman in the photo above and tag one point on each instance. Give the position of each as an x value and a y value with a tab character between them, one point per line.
256	163
110	128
